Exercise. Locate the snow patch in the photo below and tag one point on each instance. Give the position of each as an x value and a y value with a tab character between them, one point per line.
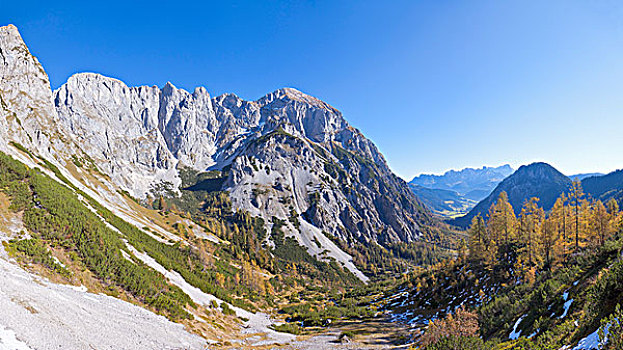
567	306
9	341
592	340
45	315
516	334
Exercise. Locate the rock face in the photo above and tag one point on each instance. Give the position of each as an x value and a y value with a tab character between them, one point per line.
27	114
287	155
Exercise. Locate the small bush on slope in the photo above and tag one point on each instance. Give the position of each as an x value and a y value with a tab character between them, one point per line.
460	324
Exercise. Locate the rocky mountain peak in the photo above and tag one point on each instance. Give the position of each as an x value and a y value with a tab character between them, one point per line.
11	38
287	95
538	170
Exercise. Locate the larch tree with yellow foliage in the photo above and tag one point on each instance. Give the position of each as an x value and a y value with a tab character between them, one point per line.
561	217
578	204
477	241
532	217
502	223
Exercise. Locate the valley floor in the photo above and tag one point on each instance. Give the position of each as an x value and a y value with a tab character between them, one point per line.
39	314
369	334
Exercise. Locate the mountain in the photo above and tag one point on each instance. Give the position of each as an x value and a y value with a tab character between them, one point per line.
474	184
543	280
456	192
285	153
605	187
446	203
535	180
580	177
212	211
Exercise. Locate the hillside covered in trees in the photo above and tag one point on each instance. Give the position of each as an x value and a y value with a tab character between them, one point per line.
536	280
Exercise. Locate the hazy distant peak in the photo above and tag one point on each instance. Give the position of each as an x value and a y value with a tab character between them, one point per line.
474	183
582	176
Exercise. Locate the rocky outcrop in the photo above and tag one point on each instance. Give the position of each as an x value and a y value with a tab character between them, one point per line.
27	114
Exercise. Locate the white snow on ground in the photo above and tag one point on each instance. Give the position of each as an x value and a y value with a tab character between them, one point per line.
567	306
44	315
516	334
196	294
257	322
592	341
8	341
533	334
127	256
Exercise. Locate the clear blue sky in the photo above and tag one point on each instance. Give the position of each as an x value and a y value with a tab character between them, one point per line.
435	84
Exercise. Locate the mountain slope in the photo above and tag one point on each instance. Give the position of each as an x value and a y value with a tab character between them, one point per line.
211	211
286	155
605	187
454	193
535	180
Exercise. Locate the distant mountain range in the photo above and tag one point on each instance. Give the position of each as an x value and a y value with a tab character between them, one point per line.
545	182
605	187
470	183
456	192
580	177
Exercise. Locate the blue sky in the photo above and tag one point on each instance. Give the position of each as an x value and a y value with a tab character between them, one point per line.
435	84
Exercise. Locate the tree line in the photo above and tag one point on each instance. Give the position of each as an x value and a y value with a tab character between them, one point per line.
521	246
